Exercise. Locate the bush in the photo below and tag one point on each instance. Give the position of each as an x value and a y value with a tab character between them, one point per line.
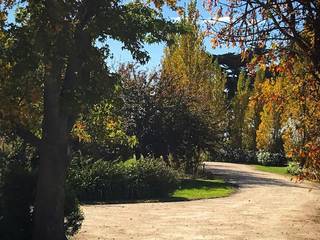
17	192
132	179
235	155
271	159
294	168
16	202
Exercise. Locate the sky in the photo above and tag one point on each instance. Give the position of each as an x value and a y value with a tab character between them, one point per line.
119	55
156	50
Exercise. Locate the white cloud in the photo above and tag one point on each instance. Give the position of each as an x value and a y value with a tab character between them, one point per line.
224	19
175	19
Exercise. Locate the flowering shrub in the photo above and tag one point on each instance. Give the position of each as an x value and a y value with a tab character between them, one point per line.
271	159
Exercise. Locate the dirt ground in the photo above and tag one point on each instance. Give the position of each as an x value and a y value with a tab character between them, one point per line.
267	206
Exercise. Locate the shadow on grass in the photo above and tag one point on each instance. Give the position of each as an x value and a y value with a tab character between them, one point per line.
134	201
195	185
203	184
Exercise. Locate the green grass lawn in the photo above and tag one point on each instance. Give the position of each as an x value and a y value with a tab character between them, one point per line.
277	170
191	189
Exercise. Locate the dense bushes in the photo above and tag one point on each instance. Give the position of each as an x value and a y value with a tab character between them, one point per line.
237	155
132	179
88	179
16	202
271	159
18	173
234	155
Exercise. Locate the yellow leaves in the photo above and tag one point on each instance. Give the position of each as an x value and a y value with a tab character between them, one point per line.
3	16
262	66
111	124
132	141
159	3
102	126
79	131
301	114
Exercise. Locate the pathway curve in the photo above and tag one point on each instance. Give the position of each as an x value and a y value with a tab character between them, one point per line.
267	206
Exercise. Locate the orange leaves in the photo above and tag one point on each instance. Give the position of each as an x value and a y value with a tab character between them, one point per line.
272	92
159	3
79	131
301	115
214	42
313	151
171	2
180	11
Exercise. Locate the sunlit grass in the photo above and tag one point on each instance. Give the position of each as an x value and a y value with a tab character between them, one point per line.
277	170
191	189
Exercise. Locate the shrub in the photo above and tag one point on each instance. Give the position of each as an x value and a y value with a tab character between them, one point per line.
271	159
16	202
132	179
294	168
17	192
235	155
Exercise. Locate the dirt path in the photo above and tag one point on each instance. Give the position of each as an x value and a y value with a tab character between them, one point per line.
267	206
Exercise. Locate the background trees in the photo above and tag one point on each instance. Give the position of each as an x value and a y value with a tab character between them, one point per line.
283	23
282	30
200	85
252	114
239	106
179	114
269	131
300	118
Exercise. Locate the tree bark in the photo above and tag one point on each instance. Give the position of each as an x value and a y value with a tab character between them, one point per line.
49	203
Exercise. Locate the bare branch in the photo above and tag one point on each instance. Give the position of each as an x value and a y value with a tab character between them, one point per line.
27	136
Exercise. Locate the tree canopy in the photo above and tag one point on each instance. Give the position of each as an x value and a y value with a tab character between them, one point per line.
53	56
278	24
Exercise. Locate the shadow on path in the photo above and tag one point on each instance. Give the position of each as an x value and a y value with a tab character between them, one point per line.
249	179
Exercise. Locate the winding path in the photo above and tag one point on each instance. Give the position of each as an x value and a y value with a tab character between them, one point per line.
267	206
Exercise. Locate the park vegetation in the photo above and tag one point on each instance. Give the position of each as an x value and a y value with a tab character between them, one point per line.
72	130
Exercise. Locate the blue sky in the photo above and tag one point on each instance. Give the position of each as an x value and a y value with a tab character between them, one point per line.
155	51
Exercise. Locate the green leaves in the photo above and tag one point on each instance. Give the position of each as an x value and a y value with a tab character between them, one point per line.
59	40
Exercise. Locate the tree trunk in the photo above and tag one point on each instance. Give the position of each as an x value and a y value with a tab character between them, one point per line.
49	203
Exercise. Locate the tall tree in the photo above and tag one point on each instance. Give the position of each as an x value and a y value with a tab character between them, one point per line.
252	116
269	133
301	117
239	106
55	69
188	72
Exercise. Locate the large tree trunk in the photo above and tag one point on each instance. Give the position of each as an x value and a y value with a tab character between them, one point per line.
49	206
49	203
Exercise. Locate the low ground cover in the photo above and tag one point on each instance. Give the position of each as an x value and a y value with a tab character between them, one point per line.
191	189
270	169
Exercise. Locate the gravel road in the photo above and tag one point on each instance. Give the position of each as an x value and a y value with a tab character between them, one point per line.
266	206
